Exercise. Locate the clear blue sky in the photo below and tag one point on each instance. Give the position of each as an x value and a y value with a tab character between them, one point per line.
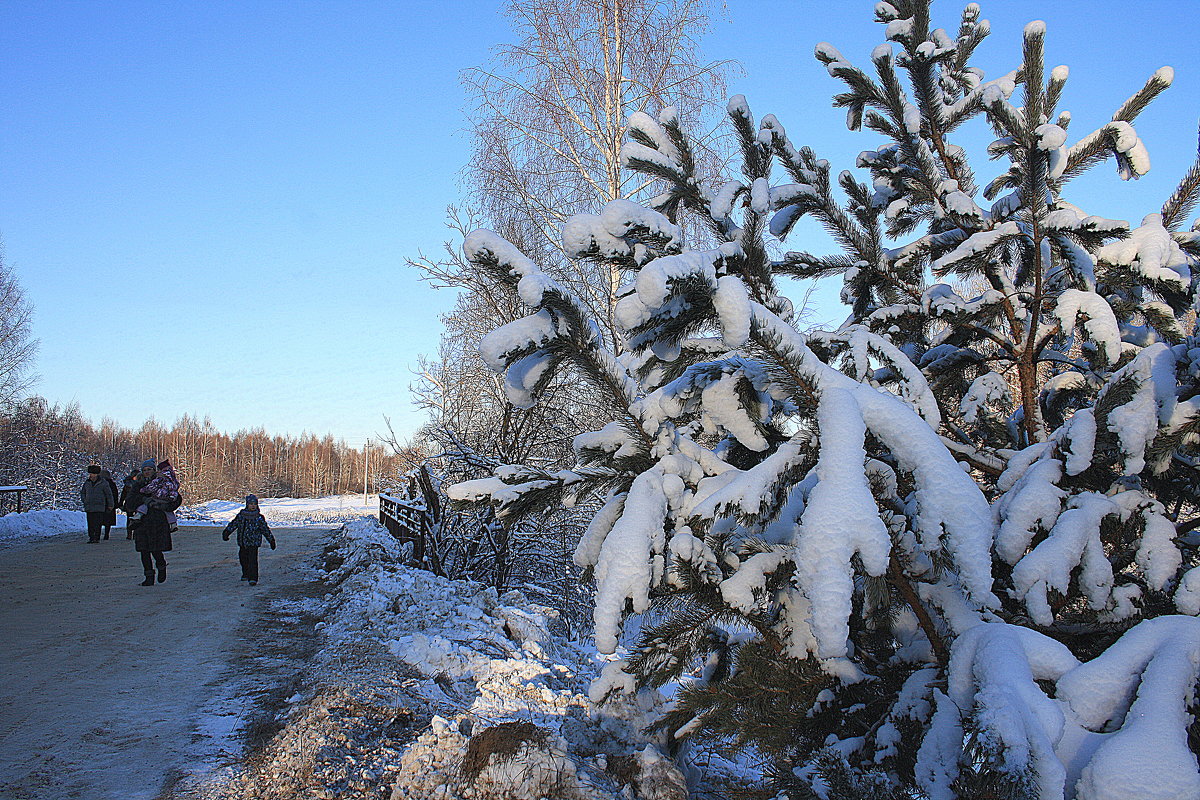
210	203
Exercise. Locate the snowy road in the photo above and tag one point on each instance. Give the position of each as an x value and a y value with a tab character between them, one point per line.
113	690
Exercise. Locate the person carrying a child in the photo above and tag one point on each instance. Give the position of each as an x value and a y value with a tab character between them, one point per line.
161	492
148	524
251	527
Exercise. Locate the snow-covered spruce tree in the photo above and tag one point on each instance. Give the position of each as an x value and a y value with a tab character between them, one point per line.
547	120
946	550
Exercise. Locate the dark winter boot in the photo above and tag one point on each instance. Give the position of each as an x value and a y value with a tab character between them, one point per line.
162	573
149	580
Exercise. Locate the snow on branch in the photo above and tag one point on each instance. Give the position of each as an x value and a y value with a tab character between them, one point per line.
1089	311
840	521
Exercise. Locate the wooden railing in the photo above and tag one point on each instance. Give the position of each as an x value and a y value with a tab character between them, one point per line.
407	520
8	492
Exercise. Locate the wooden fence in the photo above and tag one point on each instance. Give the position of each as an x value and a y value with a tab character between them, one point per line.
407	520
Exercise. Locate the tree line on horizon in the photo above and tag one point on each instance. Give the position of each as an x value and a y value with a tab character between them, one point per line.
47	447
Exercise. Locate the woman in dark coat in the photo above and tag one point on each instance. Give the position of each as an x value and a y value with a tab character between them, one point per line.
151	533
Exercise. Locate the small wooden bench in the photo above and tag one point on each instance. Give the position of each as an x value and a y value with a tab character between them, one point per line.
7	492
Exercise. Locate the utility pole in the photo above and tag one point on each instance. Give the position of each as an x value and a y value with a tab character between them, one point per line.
366	461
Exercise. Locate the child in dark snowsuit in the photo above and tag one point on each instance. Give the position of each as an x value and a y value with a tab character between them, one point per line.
250	527
162	492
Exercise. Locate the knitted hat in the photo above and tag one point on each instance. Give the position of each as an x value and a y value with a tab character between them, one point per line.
151	463
94	469
251	499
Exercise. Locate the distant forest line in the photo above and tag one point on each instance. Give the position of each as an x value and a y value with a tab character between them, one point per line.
48	447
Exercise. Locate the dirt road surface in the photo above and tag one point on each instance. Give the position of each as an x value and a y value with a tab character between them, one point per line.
113	690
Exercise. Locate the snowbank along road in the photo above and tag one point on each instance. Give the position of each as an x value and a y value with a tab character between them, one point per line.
109	689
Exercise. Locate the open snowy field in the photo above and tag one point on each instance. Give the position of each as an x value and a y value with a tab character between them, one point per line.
290	511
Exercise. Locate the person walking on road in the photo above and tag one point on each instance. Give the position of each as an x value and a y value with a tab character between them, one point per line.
111	519
98	501
251	527
151	532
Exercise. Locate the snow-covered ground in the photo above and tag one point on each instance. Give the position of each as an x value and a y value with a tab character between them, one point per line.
429	688
292	511
416	687
32	524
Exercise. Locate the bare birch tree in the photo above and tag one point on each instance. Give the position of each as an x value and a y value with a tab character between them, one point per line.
548	121
550	111
17	345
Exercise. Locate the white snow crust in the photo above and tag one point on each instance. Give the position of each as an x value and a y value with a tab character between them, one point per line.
32	524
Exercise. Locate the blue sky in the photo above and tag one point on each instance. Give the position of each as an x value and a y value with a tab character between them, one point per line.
210	203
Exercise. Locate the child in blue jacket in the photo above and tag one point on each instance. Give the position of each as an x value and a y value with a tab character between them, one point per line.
251	527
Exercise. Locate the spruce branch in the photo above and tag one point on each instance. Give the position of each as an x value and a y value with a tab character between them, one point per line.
898	579
1185	197
756	161
1033	74
1054	89
1100	144
1156	84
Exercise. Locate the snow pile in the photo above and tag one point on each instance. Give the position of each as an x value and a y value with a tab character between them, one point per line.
486	660
424	688
41	523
